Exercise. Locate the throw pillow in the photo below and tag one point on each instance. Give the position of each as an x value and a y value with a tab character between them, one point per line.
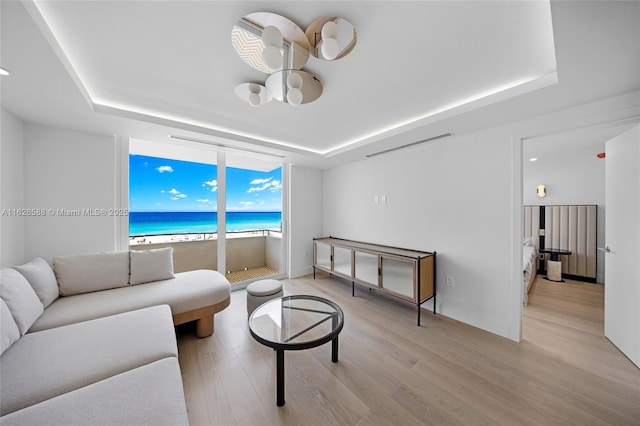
41	277
151	265
22	301
84	273
9	330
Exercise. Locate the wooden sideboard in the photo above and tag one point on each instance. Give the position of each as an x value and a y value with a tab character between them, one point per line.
406	274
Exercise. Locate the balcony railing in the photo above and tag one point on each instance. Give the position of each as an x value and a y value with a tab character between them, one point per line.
249	254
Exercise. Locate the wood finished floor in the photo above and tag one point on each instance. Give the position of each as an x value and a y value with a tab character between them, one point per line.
392	372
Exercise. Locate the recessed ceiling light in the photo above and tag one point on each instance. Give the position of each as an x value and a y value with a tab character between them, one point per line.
4	71
532	159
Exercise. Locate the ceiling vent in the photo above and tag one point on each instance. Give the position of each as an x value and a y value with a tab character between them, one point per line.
444	135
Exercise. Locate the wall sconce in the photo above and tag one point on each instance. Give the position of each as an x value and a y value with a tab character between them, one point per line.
541	191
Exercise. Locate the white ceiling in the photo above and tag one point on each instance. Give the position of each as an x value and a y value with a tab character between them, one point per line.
151	69
558	149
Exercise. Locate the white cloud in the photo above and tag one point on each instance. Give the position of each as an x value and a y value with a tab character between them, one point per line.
176	194
213	184
270	184
259	181
276	186
162	191
163	169
247	203
201	200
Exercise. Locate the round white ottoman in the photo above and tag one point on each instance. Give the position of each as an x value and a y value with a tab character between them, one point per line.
261	291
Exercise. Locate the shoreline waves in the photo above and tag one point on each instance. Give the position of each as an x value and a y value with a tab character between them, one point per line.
145	224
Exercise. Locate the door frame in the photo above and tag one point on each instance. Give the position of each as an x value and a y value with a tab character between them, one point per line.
624	117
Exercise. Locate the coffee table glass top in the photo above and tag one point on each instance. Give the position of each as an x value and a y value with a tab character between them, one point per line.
296	322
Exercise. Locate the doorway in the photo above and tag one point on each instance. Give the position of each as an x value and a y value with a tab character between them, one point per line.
254	243
564	316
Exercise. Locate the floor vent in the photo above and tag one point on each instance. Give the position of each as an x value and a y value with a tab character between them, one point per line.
444	135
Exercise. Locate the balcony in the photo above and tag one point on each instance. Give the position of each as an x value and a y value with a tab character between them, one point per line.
249	255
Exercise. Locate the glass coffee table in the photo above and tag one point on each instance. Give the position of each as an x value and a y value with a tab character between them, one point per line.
293	323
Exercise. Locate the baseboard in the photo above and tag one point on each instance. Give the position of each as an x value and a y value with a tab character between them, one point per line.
591	280
300	272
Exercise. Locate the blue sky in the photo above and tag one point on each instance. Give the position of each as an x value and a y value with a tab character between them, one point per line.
160	184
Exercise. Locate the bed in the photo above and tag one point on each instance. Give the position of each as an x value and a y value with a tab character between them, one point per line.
529	267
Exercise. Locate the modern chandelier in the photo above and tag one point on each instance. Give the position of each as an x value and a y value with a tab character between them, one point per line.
278	47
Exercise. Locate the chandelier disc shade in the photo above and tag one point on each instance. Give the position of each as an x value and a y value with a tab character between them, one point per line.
276	46
308	91
254	94
252	35
331	38
271	36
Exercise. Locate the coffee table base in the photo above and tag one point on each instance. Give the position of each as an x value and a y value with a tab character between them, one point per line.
293	323
280	370
280	377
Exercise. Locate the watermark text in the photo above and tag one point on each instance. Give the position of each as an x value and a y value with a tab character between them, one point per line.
57	212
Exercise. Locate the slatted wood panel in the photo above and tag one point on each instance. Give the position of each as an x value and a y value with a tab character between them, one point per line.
532	223
571	228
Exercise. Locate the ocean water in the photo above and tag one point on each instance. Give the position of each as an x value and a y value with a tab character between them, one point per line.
160	223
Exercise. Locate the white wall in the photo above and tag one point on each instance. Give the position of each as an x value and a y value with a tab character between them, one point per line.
577	181
11	189
69	170
462	197
305	218
273	252
571	178
453	196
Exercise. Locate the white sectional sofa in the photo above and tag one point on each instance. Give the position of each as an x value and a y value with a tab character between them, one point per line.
94	285
84	347
103	371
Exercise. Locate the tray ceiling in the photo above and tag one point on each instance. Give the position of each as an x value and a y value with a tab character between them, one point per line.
173	63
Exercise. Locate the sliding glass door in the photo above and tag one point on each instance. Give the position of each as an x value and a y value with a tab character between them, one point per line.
254	243
175	195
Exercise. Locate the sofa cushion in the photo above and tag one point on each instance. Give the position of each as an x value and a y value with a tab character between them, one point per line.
148	395
150	265
186	292
49	363
22	301
9	332
83	273
42	279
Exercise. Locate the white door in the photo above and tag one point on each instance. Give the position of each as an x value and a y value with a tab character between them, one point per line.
622	226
